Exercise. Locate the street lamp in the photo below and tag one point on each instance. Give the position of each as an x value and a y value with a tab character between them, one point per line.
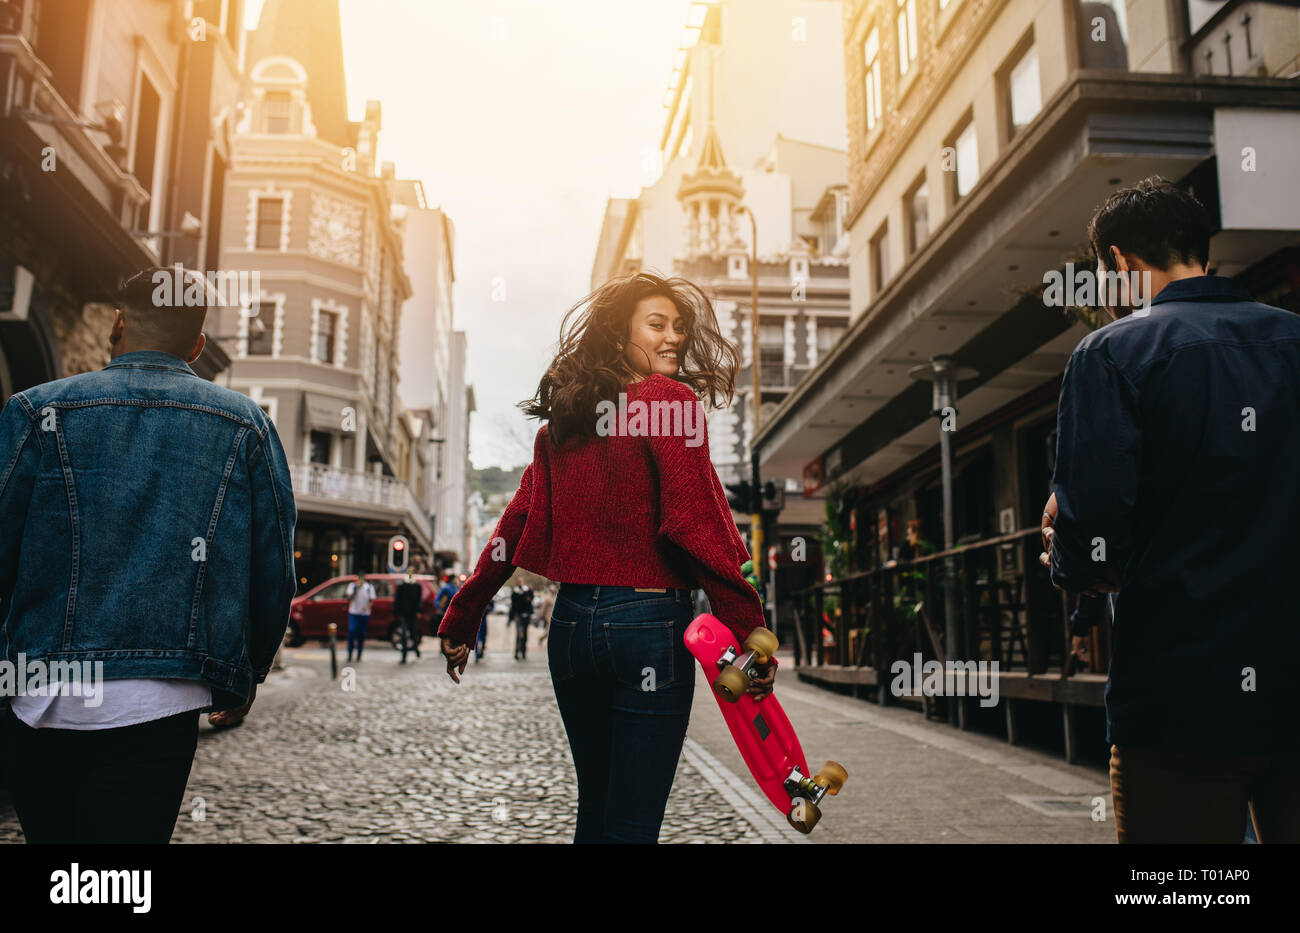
756	516
943	374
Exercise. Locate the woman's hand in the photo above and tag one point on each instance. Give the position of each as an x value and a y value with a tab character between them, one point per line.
761	686
457	656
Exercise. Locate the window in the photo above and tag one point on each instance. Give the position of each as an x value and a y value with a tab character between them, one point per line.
873	90
907	44
1199	13
146	137
918	215
277	108
325	321
771	362
1103	35
880	257
965	168
270	214
1022	88
221	17
827	336
60	33
337	590
320	444
261	329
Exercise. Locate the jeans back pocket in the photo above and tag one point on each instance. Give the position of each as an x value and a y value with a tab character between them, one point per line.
644	655
560	638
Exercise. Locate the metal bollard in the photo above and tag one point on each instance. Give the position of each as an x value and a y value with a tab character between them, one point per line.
334	652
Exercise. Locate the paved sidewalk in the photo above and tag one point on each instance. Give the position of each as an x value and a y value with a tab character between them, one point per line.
406	755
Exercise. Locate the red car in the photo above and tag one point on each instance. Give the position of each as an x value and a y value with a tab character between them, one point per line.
311	613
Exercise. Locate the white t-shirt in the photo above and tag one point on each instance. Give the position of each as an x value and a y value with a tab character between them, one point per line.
360	598
120	703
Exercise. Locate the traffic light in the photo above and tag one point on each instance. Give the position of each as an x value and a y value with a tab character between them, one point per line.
773	496
399	554
738	496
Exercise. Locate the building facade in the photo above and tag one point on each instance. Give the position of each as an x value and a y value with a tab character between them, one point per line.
456	527
982	135
307	208
115	124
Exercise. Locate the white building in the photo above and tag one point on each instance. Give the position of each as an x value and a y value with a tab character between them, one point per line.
425	341
454	530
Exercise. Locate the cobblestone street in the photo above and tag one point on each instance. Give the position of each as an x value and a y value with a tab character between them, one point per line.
409	756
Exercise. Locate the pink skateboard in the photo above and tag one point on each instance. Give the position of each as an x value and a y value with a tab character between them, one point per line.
760	728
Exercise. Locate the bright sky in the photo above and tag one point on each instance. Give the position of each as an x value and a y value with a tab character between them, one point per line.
520	117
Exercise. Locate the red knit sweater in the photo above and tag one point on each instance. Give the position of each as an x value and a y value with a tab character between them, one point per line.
619	510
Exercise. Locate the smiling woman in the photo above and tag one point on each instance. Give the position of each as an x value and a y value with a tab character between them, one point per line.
628	522
630	328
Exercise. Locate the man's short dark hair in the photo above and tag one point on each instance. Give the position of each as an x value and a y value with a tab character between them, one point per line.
163	308
1154	220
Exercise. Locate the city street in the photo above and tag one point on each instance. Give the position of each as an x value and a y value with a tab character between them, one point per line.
408	756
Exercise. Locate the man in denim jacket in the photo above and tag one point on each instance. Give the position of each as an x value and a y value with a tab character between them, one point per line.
147	552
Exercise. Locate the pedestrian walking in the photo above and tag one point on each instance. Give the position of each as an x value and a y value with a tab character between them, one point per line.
361	597
148	521
406	611
628	520
480	641
521	614
1175	488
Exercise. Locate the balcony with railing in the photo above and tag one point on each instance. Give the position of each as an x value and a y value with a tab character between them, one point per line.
359	494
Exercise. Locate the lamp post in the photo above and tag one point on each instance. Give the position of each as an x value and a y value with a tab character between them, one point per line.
943	375
756	515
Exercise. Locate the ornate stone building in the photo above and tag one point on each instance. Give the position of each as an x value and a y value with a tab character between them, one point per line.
307	208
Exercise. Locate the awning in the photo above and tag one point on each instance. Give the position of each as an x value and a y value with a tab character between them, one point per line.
322	412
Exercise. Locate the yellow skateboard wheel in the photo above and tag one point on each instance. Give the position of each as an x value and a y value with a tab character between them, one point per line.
731	683
763	643
832	777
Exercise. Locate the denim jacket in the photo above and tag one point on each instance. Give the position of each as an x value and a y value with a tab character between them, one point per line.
146	521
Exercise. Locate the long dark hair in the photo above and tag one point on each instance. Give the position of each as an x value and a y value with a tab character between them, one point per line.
589	367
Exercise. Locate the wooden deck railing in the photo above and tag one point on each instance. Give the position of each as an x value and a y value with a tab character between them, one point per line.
1008	612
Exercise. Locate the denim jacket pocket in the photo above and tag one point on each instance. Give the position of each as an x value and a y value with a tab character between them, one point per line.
643	655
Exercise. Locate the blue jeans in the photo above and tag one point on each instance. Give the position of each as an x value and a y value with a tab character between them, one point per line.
624	683
357	632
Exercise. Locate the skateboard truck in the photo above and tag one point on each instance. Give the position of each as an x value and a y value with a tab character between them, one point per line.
735	670
807	792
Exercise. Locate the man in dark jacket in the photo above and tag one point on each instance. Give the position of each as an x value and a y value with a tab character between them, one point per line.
521	613
1175	487
406	608
147	545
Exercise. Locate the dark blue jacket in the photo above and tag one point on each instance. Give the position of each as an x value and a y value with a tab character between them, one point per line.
147	522
1178	483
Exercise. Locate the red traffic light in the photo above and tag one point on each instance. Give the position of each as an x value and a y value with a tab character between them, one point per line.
399	545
